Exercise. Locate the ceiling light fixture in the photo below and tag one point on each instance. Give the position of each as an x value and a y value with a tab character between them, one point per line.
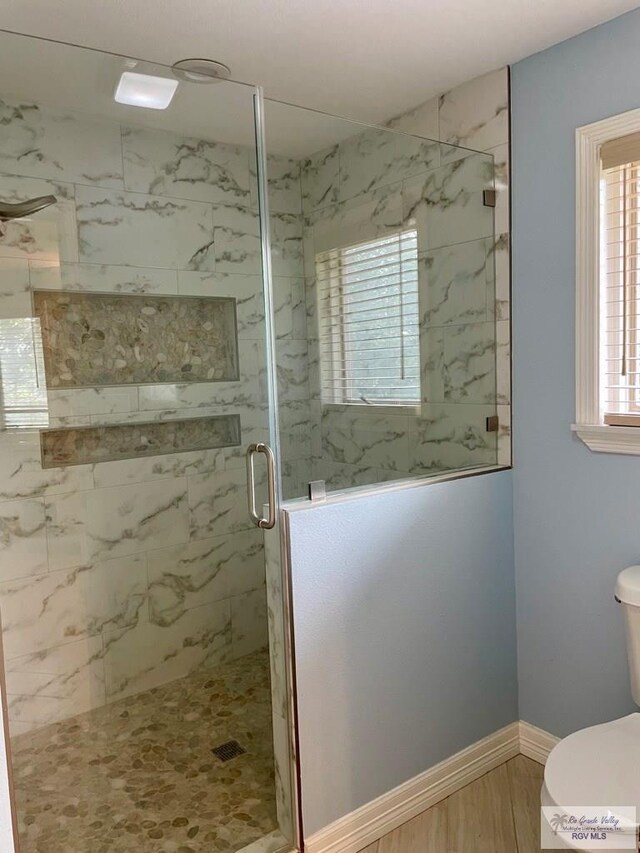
144	90
201	70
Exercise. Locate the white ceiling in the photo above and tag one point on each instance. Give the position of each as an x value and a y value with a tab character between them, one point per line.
365	59
64	77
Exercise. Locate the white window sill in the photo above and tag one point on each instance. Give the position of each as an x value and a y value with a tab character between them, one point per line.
609	439
375	408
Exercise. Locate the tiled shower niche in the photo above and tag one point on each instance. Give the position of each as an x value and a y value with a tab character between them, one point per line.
78	445
97	339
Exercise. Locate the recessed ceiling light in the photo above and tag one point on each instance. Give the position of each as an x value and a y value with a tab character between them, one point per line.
144	90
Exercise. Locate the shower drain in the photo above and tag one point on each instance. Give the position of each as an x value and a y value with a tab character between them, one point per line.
227	751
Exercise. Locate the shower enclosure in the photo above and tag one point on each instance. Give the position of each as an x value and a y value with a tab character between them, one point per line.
135	371
221	303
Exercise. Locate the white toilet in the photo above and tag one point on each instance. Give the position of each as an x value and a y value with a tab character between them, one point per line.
601	765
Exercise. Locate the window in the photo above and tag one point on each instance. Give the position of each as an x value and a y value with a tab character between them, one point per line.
608	284
23	401
369	322
619	281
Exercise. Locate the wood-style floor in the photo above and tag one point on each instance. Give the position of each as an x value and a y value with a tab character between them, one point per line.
498	813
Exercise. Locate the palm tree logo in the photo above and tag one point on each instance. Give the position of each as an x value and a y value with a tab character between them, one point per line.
557	822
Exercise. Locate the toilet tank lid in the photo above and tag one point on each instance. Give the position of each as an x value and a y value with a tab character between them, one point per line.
628	586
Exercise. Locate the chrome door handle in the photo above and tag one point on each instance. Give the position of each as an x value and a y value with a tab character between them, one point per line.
270	521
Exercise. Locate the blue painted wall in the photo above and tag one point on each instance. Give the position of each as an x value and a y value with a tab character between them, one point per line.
577	513
404	609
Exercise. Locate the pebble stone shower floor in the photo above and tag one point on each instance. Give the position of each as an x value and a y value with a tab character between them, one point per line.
139	774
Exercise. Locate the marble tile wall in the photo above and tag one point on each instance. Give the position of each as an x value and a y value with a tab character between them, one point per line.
475	115
377	181
284	742
117	576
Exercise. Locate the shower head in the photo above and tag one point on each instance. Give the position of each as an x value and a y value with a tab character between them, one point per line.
24	208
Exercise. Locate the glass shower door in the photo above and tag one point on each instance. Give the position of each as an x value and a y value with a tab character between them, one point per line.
134	373
387	370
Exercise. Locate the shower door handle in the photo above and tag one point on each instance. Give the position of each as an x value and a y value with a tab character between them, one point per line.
258	520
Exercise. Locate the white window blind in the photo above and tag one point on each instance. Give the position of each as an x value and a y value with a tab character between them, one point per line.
620	281
369	321
23	393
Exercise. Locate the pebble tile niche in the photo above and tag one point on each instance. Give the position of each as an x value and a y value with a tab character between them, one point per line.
97	339
75	446
105	339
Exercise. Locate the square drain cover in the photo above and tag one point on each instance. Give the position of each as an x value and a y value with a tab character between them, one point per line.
227	751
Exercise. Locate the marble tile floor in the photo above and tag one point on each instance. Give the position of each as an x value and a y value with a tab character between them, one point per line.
139	774
498	813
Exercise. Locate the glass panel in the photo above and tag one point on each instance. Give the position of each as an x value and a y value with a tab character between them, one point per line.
132	581
384	272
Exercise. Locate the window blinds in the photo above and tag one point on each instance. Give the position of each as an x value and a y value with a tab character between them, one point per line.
23	393
620	281
369	323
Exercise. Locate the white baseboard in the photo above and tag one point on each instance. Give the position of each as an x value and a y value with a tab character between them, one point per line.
536	743
367	824
355	831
